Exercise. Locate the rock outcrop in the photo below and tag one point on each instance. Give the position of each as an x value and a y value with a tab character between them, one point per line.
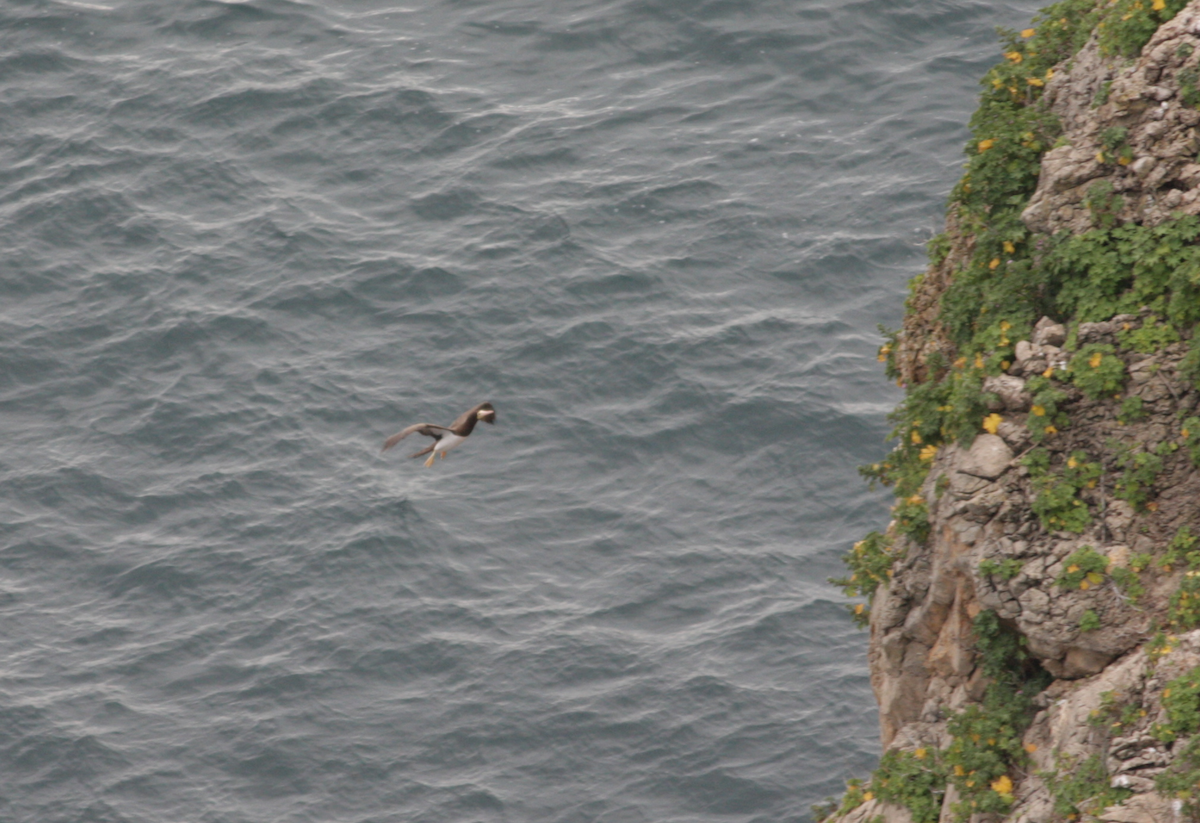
1044	574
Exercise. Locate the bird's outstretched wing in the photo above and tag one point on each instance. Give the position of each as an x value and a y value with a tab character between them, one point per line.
427	429
460	422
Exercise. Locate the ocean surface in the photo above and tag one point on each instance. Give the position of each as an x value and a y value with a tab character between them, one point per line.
241	243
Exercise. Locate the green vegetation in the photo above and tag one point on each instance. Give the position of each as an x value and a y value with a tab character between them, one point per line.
1105	272
987	738
1057	504
1103	204
1181	700
915	780
912	518
1140	470
1127	25
1089	622
1132	410
1189	366
1128	582
1181	780
1045	415
870	563
1005	569
1084	569
1181	550
1183	609
1085	788
1190	434
1151	337
1114	715
1097	371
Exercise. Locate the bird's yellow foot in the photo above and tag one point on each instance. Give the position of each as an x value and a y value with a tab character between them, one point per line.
429	462
443	455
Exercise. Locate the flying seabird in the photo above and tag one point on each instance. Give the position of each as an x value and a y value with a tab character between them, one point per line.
445	437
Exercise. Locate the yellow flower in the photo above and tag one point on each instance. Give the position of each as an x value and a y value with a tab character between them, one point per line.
1035	81
991	423
1084	585
1100	157
1158	5
1166	693
859	608
1014	56
1072	569
916	438
1009	248
979	361
995	262
1002	785
1039	411
1095	578
1027	33
928	453
1004	324
1050	430
1048	373
1152	507
1072	462
1094	360
916	499
868	795
1031	747
984	145
1049	73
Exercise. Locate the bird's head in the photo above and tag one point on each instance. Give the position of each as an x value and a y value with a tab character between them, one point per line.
486	413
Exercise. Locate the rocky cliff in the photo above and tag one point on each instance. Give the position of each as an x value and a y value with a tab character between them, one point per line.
1034	605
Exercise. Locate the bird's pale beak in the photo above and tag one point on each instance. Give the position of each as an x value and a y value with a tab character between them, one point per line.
486	415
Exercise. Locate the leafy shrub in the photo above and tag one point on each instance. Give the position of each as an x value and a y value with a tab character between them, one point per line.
1180	550
1100	200
1189	366
1181	779
1181	700
1128	582
1153	336
1084	569
1089	621
1132	410
1140	470
1084	789
915	780
1127	25
1005	569
986	746
1183	610
1104	272
1097	371
870	564
912	518
1191	439
1057	503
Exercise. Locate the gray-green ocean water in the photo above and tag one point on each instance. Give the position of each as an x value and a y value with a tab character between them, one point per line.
243	242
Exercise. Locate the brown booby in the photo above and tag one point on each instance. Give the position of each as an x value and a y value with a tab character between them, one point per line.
445	438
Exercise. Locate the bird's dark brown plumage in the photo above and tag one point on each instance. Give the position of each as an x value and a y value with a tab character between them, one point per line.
462	427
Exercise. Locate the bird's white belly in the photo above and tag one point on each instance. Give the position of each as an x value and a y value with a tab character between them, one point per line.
448	442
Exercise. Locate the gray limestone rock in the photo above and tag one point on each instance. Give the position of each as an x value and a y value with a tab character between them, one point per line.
1049	333
988	457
